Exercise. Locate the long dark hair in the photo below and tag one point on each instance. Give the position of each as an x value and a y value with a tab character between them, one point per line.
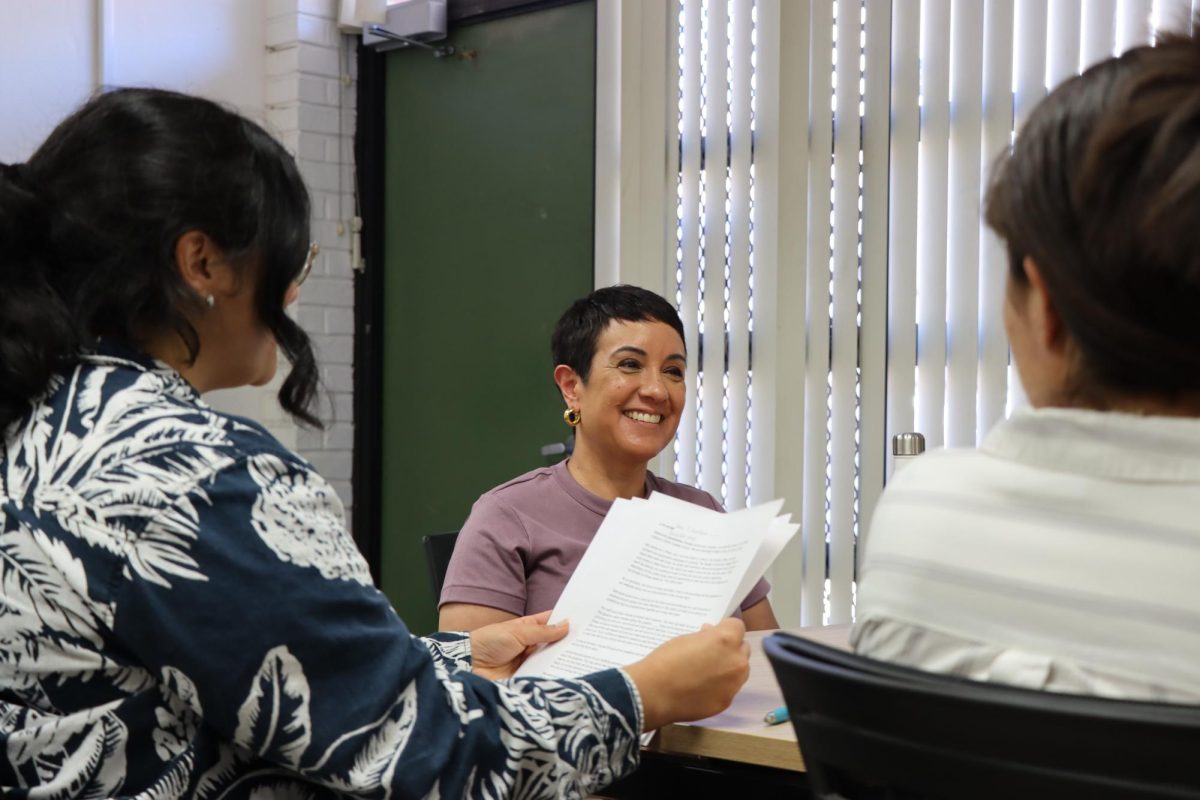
88	228
1102	190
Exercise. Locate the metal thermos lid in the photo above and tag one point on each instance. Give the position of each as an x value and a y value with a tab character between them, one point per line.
908	444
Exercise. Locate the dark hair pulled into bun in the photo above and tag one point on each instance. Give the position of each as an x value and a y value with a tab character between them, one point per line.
88	228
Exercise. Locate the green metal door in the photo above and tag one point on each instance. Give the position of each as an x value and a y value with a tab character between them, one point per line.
488	202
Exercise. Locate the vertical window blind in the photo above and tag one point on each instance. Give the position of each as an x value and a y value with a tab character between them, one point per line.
870	303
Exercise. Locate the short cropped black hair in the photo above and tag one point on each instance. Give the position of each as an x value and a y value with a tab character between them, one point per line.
574	340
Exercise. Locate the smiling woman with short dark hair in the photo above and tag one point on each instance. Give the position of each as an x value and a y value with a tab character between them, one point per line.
621	366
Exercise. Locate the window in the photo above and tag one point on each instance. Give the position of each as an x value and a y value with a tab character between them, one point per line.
825	165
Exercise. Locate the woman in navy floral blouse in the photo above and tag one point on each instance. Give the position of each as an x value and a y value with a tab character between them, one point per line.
182	613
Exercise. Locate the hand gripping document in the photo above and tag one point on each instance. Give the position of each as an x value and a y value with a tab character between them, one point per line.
656	569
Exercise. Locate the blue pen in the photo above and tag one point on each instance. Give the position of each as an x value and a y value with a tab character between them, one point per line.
776	715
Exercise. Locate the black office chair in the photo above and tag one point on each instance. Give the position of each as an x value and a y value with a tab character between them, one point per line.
868	729
438	549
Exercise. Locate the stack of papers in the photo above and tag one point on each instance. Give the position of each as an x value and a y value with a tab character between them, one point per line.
657	568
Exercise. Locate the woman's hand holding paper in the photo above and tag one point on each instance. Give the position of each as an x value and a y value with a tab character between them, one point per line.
694	676
497	650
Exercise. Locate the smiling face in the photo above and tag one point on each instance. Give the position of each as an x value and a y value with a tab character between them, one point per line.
634	394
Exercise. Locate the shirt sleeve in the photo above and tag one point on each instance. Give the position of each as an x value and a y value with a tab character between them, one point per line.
488	565
451	650
250	604
757	594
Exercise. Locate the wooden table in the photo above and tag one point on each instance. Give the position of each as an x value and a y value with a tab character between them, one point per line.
739	733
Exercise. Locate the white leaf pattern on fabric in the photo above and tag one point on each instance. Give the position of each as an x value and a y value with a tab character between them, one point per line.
122	473
42	584
179	717
454	655
69	580
456	694
82	755
79	518
124	500
274	717
299	517
180	692
229	767
579	741
387	739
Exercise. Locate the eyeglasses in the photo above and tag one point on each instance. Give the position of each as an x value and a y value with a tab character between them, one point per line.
313	250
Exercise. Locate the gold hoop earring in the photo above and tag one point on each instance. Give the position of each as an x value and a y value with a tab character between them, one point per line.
571	416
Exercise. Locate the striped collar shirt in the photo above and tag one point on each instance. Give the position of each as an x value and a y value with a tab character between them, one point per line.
1062	554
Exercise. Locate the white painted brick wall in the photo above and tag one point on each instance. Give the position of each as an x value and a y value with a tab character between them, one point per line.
310	98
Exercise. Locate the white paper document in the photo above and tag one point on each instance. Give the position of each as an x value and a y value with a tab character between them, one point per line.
656	569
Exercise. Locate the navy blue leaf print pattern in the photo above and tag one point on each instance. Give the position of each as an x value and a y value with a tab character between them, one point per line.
182	614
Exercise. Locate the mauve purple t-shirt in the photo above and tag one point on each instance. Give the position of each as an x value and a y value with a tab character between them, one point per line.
524	538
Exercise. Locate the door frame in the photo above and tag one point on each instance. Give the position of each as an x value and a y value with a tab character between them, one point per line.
370	139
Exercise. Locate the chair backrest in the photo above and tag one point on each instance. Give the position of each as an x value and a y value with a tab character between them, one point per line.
871	729
438	549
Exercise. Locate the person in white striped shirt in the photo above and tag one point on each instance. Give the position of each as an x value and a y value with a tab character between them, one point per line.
1064	553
